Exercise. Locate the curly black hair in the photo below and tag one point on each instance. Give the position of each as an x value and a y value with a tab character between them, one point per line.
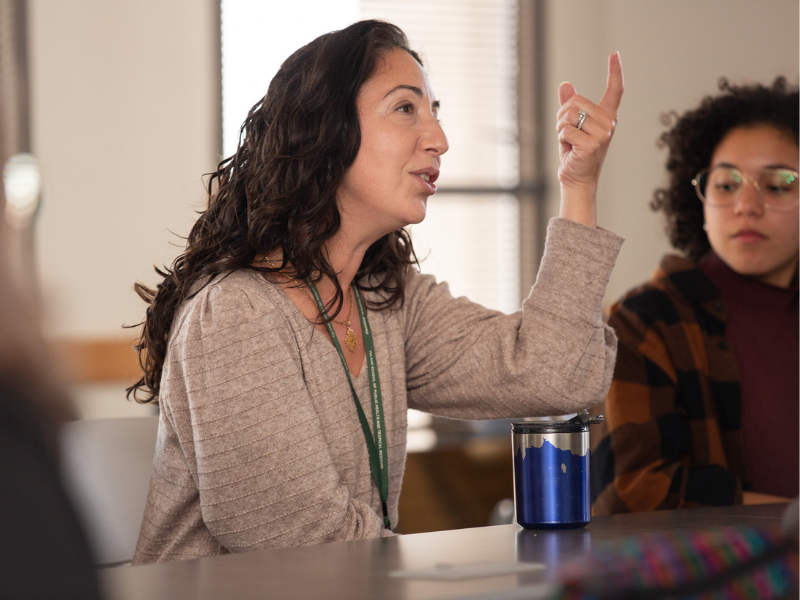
692	139
278	191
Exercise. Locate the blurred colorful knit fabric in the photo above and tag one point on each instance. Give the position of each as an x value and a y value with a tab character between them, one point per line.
719	564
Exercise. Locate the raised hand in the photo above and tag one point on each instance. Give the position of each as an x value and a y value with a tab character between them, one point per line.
585	130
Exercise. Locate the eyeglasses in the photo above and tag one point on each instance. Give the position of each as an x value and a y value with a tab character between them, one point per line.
722	186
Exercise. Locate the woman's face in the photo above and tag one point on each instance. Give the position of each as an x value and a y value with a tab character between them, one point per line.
388	184
751	239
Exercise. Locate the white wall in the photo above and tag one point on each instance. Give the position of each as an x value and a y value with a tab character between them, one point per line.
125	121
673	53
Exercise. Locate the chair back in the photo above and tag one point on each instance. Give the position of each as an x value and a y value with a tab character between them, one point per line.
106	466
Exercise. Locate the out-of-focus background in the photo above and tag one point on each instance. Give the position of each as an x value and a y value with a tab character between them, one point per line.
130	103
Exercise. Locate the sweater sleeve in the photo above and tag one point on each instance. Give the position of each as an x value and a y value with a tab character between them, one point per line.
644	455
555	356
238	408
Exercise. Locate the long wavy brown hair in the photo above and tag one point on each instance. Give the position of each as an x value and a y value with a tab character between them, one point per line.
692	139
278	191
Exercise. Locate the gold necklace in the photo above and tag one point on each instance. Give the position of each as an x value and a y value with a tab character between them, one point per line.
350	339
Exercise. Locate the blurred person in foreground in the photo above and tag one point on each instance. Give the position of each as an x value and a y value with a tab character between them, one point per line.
703	408
43	551
286	344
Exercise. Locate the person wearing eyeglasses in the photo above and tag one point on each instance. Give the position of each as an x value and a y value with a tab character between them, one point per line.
703	408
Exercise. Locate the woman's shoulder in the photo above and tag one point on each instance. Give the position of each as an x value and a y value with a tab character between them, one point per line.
415	284
418	283
229	301
230	328
675	283
423	289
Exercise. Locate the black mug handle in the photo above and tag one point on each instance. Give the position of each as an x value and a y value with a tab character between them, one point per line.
586	419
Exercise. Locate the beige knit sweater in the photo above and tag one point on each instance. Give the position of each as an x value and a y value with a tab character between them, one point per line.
259	443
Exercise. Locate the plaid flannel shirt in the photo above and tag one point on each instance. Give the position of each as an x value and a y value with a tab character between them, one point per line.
672	434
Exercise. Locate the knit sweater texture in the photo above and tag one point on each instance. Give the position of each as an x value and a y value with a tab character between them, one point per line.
259	443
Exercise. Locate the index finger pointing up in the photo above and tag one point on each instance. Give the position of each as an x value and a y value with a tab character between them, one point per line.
614	86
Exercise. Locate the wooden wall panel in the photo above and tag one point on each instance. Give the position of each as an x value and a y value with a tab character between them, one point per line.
97	360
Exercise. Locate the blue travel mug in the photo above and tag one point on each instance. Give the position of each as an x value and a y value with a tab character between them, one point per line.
551	472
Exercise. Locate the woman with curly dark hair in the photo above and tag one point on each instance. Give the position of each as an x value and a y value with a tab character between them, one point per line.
297	301
703	409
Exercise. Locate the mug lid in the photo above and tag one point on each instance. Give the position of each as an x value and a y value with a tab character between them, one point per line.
580	422
549	427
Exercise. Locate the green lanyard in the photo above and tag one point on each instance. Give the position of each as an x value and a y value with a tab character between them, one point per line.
378	462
